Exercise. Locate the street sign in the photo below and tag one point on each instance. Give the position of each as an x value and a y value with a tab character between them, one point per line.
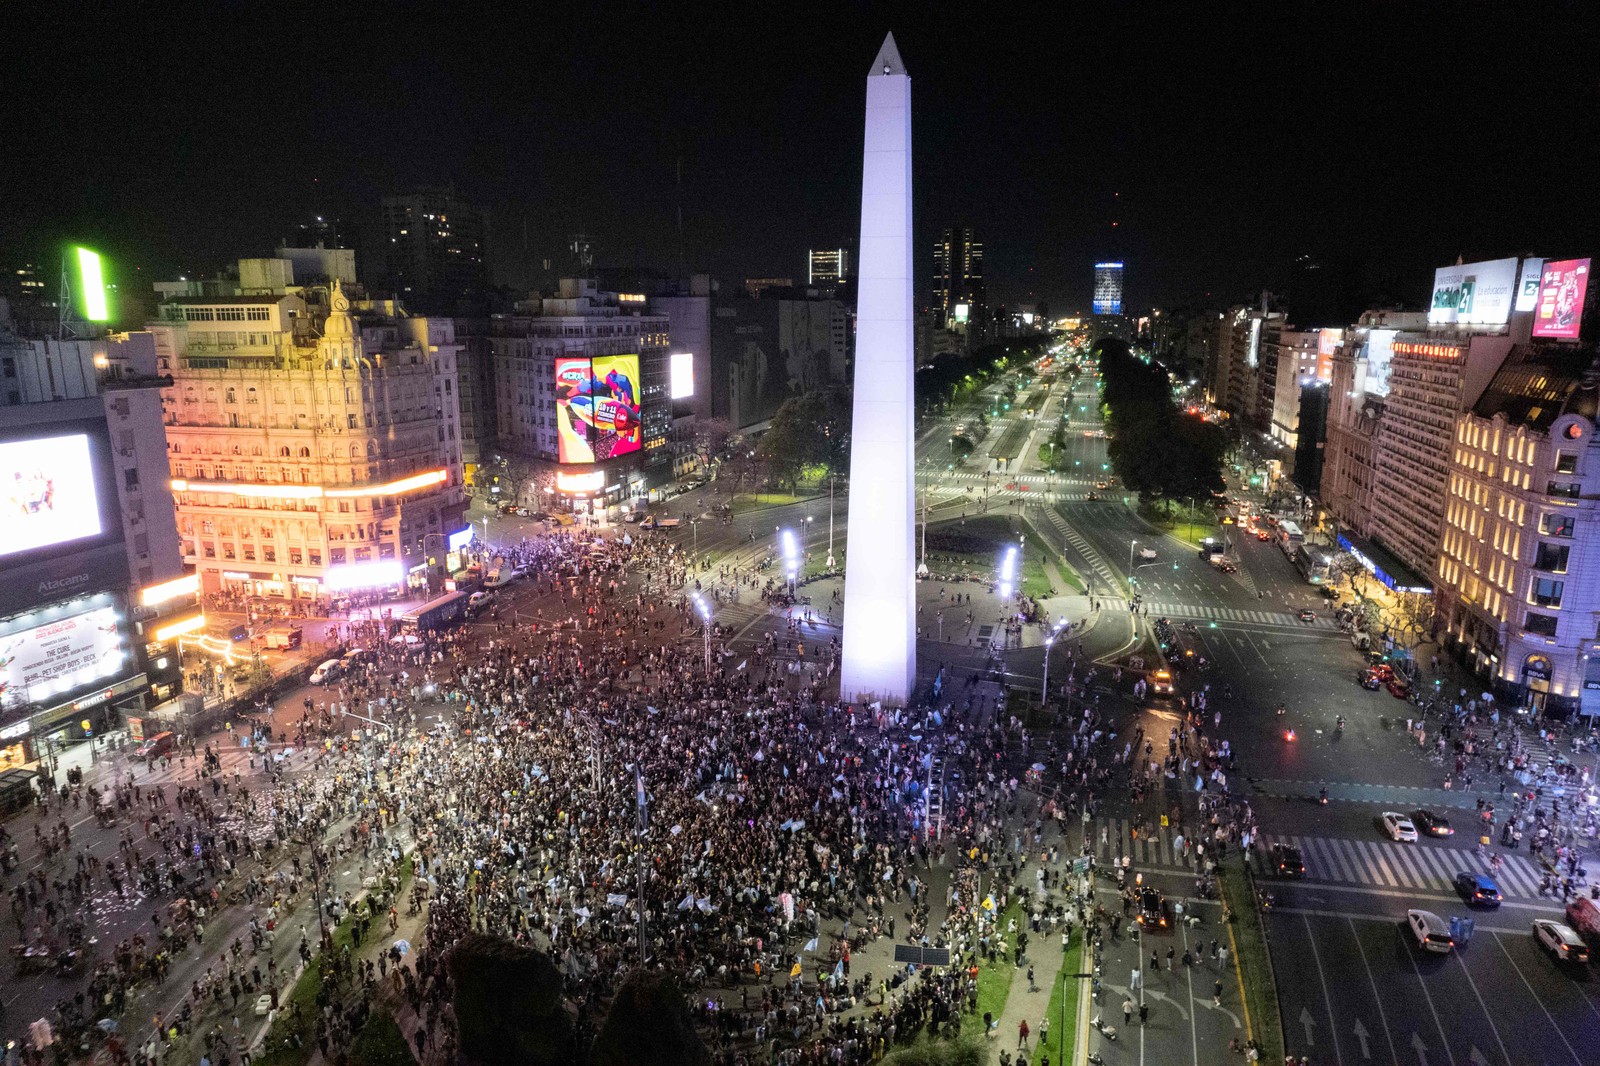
1081	864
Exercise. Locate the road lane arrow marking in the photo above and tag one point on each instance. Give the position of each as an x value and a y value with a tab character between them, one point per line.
1478	1058
1309	1022
1361	1035
1420	1048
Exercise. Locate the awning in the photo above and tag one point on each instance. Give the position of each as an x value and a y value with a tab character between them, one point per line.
1384	566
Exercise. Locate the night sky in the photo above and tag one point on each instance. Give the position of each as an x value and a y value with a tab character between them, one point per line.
1380	145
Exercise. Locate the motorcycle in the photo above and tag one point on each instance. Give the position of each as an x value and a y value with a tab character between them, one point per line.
1322	797
1108	1032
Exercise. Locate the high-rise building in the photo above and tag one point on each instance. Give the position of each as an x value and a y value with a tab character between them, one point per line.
959	297
1519	561
310	453
583	383
1288	360
433	248
90	541
827	267
1108	288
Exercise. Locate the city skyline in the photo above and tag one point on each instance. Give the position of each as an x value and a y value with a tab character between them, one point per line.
1123	173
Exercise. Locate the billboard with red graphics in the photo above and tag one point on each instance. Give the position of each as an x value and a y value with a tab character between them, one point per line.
1562	289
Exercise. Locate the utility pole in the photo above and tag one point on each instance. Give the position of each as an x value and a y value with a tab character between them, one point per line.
830	521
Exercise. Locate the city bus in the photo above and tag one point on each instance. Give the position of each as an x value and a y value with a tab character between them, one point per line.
435	614
1289	537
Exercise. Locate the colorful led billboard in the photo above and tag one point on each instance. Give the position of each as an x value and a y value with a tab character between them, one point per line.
1478	294
59	657
1562	289
47	492
597	407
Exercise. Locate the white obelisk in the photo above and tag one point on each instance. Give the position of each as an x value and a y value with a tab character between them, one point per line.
880	609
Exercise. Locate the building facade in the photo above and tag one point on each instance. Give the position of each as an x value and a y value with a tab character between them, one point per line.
1108	288
89	539
434	247
582	382
959	296
827	267
310	456
1519	560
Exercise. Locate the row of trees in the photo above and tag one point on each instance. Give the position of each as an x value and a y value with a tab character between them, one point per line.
1156	448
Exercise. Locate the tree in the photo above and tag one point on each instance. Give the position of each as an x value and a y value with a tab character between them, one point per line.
649	1012
711	438
961	446
508	1005
809	430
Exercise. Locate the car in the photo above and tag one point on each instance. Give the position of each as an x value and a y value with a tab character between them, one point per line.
1227	566
1262	534
1155	913
1433	825
1561	941
1285	861
1102	484
1092	497
1307	616
1161	682
1397	688
1369	680
633	516
328	671
1431	931
1479	890
1398	826
357	656
1147	553
479	600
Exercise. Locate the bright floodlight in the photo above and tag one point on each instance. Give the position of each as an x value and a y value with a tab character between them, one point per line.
701	606
1008	571
92	286
791	553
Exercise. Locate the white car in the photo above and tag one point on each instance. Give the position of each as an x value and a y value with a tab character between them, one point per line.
1399	827
1561	941
328	671
1147	553
1432	932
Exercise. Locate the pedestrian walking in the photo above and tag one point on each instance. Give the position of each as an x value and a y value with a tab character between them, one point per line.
1022	1033
1127	1011
1031	986
1144	1013
1216	994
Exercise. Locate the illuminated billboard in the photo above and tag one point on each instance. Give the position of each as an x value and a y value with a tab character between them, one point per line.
1379	356
1477	294
59	657
1562	289
963	312
47	493
92	301
597	407
682	375
1528	285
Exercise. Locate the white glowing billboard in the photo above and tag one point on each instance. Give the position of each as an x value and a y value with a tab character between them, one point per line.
1477	294
365	575
1528	285
682	375
59	657
1380	356
47	493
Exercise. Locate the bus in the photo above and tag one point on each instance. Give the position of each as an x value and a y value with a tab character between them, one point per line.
435	614
1289	537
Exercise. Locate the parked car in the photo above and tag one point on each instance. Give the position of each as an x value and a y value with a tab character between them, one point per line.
1397	688
1561	941
1433	825
156	746
1285	861
327	672
1478	890
1398	826
1432	932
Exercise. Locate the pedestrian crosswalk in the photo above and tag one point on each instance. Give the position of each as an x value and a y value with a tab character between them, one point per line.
1086	551
1234	614
1155	847
1421	866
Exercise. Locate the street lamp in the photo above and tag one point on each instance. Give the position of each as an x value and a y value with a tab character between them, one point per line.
1131	545
704	608
1049	642
830	521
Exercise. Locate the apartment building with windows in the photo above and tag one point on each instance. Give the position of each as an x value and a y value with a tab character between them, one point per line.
568	427
310	454
1519	560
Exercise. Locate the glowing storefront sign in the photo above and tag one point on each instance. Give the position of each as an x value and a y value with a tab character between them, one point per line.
154	595
312	492
181	626
459	539
592	481
366	575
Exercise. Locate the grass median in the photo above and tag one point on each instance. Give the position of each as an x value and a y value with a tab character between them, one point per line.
1063	997
1252	962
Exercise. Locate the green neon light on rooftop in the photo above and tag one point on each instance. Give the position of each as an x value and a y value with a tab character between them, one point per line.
92	285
